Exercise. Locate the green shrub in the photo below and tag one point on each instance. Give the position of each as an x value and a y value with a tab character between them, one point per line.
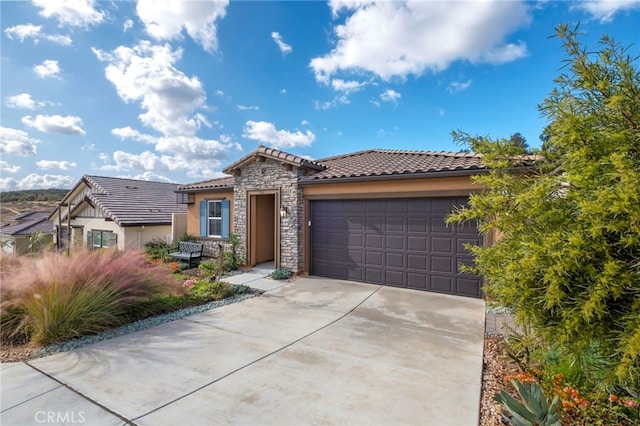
233	259
211	290
157	249
56	297
210	268
281	274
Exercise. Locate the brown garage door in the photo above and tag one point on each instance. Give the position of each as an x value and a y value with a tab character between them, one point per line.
396	242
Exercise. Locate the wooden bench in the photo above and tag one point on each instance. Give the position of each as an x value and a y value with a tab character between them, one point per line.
188	252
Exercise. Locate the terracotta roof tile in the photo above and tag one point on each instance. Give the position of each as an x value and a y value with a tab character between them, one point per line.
219	183
273	154
385	162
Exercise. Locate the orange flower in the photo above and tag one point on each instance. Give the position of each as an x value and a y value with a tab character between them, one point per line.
613	398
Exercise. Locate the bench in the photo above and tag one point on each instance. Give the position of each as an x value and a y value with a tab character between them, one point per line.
188	252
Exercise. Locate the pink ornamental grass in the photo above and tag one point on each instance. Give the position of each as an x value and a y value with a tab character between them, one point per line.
59	297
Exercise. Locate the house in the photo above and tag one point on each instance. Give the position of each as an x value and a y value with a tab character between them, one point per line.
375	216
114	212
16	236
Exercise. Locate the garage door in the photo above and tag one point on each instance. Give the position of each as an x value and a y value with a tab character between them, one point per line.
397	242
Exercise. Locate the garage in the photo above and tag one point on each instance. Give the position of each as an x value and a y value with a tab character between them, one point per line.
394	242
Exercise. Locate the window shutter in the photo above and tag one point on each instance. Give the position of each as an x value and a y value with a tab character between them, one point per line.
204	217
226	219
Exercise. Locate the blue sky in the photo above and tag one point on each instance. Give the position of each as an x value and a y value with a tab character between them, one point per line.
176	90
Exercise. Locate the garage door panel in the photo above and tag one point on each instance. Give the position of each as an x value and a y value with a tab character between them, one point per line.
375	276
417	281
417	224
395	260
441	264
373	258
395	242
417	261
373	241
441	245
399	242
438	226
395	278
442	284
417	243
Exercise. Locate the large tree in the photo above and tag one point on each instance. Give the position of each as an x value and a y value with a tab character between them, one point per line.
567	219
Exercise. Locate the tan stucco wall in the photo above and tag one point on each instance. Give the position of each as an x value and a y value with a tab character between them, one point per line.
135	237
394	188
99	224
193	210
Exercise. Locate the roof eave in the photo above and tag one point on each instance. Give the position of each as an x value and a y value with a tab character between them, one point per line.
402	176
218	188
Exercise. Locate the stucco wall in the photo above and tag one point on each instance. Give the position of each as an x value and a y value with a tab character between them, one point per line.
269	175
193	210
400	187
135	237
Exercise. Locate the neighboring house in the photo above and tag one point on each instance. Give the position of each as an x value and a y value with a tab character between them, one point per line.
116	212
375	216
15	236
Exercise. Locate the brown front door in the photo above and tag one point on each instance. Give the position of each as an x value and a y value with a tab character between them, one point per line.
396	242
262	228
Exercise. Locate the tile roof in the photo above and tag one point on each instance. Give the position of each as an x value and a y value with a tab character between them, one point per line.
29	223
135	202
273	154
387	162
211	184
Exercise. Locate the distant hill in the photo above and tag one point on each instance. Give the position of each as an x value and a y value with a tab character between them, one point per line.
33	195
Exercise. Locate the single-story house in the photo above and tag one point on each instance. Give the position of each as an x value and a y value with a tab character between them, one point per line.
115	212
375	216
16	235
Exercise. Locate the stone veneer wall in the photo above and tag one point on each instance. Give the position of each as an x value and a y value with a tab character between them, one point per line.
271	174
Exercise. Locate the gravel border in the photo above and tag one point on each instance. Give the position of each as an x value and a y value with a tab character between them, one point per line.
140	325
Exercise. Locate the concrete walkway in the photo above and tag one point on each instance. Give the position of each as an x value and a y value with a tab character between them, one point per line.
314	351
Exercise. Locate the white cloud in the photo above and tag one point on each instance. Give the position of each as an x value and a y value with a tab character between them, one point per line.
129	133
304	122
346	85
55	165
265	132
35	181
283	91
23	100
245	107
390	95
165	20
146	73
150	176
24	31
284	47
199	157
128	24
74	13
64	125
48	68
17	142
219	93
604	10
459	86
8	168
398	39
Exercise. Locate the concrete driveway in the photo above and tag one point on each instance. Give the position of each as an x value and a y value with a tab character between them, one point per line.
315	351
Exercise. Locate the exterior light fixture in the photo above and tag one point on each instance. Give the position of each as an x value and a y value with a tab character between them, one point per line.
284	212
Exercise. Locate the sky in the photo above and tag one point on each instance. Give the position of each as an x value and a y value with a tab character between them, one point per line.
176	90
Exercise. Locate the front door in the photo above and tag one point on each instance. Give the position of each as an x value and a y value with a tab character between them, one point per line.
263	229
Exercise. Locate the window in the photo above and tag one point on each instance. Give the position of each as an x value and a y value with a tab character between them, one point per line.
214	218
100	239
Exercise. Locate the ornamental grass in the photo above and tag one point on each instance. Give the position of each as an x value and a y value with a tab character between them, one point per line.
57	297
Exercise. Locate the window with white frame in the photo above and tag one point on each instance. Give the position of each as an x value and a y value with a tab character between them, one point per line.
97	239
214	227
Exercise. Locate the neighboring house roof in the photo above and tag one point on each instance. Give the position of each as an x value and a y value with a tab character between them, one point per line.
273	154
131	202
29	223
208	185
29	216
385	162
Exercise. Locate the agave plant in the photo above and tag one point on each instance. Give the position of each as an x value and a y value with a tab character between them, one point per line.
534	408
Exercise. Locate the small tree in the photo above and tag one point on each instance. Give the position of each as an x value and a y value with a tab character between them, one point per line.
568	257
